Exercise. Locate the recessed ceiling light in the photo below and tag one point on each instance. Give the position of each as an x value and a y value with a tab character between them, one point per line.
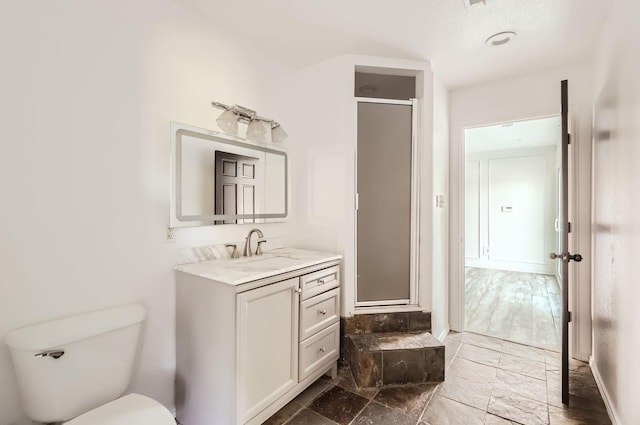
368	89
500	38
469	3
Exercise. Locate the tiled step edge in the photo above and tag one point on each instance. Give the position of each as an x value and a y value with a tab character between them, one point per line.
395	358
411	321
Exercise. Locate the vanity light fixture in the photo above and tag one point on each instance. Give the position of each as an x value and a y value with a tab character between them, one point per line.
228	122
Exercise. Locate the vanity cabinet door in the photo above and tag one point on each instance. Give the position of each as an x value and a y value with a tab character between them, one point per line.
267	346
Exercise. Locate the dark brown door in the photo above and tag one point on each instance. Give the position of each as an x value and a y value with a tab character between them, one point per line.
236	181
564	256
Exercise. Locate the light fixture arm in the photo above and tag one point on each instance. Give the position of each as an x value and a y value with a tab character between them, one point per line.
246	115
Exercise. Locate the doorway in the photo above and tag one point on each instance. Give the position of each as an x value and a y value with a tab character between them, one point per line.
386	191
511	290
386	203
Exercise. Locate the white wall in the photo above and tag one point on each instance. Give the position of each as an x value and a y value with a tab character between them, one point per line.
87	90
440	248
523	97
520	239
323	163
616	230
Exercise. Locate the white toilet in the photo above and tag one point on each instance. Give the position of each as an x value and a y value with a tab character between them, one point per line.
74	370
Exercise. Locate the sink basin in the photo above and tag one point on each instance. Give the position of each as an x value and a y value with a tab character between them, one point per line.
270	262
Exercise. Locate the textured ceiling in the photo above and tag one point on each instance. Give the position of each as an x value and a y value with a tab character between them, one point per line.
517	135
302	32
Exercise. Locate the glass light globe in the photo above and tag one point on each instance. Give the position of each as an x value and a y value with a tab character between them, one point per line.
228	122
256	131
278	134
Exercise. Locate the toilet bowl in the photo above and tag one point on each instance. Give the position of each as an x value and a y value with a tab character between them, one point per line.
75	370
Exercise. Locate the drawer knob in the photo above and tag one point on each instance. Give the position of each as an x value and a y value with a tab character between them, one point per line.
323	312
323	349
298	290
321	282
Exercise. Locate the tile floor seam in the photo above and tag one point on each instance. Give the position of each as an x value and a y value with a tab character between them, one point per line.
435	391
294	415
462	402
530	399
361	410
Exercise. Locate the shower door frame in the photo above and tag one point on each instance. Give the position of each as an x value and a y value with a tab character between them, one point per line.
413	301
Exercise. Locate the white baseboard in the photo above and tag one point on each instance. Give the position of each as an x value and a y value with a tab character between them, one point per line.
510	266
613	415
444	333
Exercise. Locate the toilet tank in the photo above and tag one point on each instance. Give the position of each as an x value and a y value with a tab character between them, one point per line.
69	366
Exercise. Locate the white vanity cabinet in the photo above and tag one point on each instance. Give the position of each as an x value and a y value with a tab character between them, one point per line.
245	348
267	322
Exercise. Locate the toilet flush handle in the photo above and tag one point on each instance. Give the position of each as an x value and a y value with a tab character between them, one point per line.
56	354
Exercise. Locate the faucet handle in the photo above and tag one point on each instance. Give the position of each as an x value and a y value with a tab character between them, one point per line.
234	254
259	249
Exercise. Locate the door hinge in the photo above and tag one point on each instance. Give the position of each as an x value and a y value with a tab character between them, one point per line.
569	227
569	318
569	138
357	201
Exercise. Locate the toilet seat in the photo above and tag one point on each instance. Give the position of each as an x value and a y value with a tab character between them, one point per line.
130	409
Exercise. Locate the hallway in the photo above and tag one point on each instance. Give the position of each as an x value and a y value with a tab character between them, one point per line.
519	307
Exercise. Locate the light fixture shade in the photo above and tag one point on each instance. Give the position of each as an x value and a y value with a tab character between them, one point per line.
256	131
278	134
228	122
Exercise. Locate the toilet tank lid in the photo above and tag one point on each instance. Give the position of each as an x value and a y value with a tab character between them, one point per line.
55	333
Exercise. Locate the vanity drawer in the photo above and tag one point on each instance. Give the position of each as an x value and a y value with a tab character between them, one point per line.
317	282
318	312
320	349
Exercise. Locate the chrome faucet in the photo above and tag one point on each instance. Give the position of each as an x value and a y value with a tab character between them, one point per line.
247	244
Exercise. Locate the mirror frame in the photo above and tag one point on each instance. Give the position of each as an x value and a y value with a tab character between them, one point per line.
176	219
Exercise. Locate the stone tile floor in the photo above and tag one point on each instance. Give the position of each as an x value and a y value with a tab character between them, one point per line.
488	381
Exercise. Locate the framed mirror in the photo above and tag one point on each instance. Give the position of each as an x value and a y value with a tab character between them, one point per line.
221	179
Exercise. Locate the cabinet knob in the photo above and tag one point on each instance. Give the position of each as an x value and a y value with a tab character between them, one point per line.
323	349
323	312
298	290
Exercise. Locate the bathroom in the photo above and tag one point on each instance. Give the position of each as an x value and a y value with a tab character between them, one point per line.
88	171
85	173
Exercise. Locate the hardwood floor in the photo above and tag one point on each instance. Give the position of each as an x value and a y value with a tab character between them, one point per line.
515	306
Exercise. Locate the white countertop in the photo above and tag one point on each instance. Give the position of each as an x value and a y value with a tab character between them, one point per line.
248	269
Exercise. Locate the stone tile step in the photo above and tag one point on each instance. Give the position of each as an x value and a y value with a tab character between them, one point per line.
395	358
412	321
390	341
